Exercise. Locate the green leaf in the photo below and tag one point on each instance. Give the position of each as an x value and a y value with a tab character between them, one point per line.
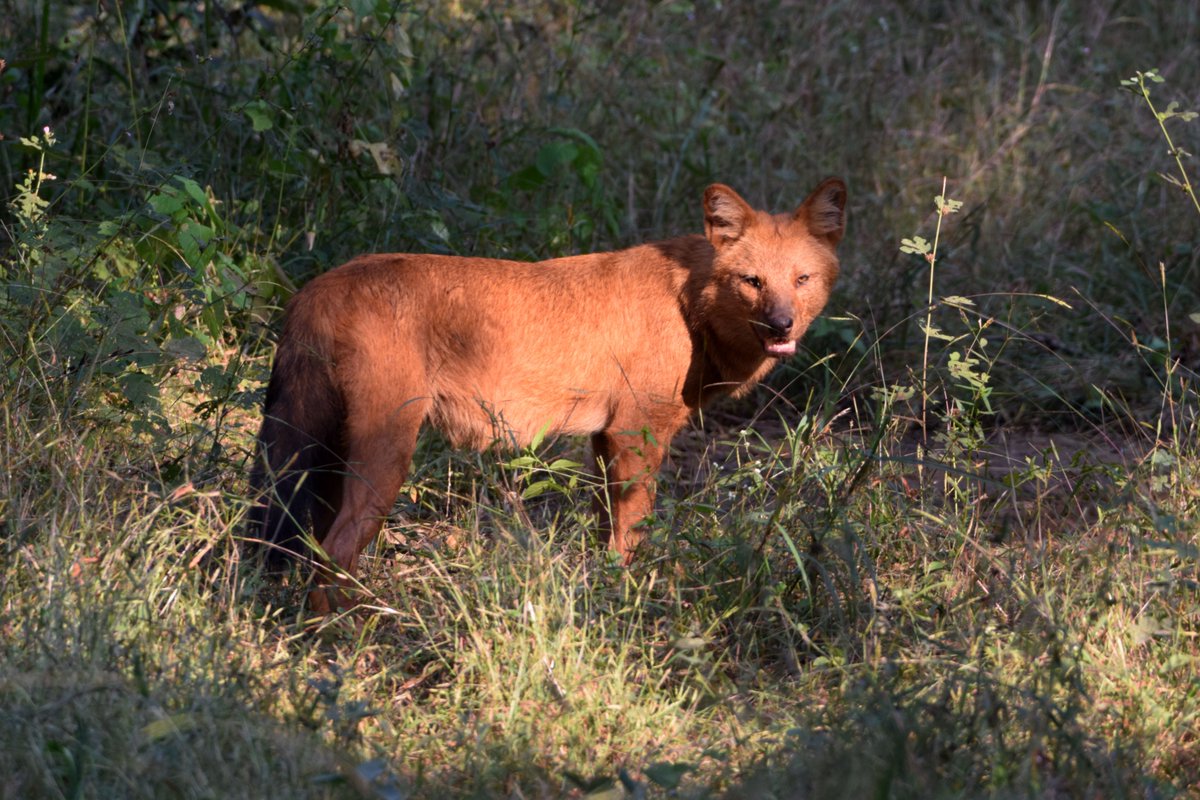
946	205
574	133
916	245
538	488
139	389
934	332
1162	459
437	226
588	159
539	437
167	202
126	316
193	190
260	115
193	238
401	43
188	348
526	179
554	156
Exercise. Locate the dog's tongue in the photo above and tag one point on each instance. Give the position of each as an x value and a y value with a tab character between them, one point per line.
781	347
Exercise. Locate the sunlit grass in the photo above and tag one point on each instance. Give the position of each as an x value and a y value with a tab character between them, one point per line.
950	551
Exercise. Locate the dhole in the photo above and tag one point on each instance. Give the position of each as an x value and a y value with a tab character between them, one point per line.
620	346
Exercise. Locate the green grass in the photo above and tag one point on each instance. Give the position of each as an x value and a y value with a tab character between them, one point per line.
950	551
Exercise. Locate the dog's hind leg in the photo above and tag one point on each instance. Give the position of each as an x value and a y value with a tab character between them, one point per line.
379	450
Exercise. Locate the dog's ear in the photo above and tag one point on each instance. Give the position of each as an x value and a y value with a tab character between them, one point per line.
824	212
726	215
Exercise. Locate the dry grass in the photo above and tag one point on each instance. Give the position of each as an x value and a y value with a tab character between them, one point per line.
971	578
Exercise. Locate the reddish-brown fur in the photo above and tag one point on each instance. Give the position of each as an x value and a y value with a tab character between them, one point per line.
620	346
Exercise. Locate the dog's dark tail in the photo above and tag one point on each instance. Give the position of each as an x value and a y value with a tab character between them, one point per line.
298	464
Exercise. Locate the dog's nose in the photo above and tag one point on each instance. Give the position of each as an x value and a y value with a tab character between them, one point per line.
779	323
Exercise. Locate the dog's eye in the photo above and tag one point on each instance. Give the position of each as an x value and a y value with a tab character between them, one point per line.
803	279
752	280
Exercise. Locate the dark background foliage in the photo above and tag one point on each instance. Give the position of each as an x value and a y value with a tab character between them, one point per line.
950	550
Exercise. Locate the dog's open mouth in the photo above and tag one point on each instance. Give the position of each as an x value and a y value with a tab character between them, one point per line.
780	348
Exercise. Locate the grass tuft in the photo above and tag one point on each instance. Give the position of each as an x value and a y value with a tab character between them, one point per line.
951	550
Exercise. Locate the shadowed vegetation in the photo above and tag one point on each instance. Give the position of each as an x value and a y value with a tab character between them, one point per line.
951	549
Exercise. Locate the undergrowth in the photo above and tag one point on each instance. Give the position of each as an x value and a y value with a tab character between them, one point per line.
950	551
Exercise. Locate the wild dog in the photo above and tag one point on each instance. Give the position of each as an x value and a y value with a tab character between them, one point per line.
619	346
